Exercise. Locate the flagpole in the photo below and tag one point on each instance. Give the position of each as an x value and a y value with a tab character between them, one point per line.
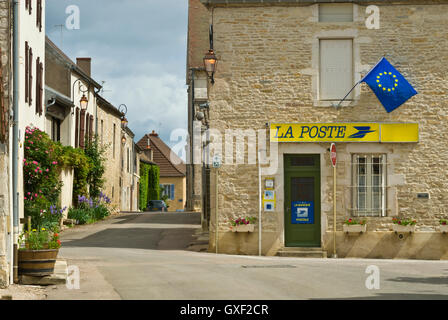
343	99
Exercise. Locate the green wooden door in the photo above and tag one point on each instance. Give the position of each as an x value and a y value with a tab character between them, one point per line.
302	188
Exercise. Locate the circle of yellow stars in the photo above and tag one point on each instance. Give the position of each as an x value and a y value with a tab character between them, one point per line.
387	89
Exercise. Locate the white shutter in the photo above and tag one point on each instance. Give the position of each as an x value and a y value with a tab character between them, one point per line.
336	12
336	68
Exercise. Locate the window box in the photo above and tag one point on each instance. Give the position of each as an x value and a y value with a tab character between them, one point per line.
401	229
354	228
243	228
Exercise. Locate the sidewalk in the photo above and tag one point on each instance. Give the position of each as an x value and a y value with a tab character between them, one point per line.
201	241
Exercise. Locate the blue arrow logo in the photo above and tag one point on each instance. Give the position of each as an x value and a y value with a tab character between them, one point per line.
362	132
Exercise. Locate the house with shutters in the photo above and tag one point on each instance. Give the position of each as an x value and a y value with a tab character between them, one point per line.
71	106
172	170
282	71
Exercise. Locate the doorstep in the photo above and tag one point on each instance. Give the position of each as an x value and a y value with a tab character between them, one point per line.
302	252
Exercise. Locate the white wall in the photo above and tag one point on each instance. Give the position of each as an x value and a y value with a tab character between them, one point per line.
28	31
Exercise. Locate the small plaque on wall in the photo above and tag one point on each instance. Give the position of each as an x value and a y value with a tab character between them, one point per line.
423	195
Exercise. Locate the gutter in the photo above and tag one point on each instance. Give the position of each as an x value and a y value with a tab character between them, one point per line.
15	139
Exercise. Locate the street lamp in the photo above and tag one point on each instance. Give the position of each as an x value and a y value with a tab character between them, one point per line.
210	63
123	109
123	139
84	102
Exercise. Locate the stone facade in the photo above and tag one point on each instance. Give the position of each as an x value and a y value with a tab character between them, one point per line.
121	188
268	73
109	129
5	212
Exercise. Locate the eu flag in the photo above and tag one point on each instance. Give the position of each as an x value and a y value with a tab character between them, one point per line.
390	87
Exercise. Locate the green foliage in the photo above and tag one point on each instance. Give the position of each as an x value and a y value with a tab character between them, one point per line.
41	171
404	222
95	179
89	210
144	176
154	183
38	239
243	221
82	165
354	222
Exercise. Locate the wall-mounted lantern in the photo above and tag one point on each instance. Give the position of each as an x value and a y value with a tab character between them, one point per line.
123	110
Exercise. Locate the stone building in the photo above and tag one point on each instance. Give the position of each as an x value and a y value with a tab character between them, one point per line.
67	122
172	170
283	67
109	134
129	171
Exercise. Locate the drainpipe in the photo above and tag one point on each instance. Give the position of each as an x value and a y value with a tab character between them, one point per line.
15	139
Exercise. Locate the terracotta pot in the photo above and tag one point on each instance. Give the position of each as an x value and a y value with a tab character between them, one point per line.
38	263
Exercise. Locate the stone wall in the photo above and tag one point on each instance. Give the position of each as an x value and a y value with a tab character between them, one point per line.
5	214
268	72
106	122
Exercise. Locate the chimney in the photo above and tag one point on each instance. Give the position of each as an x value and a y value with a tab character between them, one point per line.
153	134
85	65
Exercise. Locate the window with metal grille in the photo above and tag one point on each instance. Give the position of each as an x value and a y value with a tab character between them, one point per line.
369	185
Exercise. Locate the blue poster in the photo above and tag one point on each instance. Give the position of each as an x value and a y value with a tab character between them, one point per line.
302	212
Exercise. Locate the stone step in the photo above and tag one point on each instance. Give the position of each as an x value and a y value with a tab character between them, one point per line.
302	252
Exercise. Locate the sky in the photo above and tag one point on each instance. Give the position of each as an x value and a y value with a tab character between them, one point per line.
138	47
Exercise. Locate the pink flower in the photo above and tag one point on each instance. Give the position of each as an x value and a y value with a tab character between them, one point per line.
35	170
47	170
35	195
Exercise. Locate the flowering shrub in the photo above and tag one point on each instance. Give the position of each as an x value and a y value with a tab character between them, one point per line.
39	239
243	221
40	174
443	222
90	210
353	222
404	222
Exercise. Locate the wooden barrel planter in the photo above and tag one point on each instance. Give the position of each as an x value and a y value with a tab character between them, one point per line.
37	263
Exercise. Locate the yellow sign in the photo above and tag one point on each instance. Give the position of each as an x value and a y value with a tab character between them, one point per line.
399	132
344	132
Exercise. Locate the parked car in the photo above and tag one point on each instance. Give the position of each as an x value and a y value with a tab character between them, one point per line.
157	205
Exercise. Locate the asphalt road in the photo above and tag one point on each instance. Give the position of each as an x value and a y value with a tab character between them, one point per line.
145	256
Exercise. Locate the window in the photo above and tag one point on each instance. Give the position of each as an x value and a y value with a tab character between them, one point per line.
55	129
168	190
77	129
127	160
102	132
39	86
336	68
369	185
113	142
336	12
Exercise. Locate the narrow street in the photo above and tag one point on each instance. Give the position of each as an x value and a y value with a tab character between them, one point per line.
146	256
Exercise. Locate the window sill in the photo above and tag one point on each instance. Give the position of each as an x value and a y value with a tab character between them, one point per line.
334	103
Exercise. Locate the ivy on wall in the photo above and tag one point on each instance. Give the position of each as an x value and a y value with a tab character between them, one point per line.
143	196
153	183
149	184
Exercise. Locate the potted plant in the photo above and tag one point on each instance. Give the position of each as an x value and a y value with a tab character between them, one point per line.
243	224
354	226
404	225
444	225
38	252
